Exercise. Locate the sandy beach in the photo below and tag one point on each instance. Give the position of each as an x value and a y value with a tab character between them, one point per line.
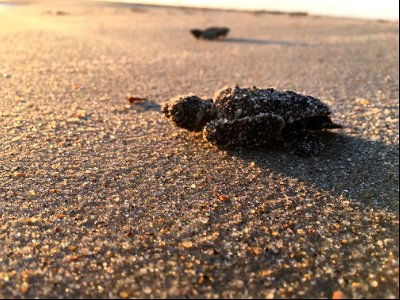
100	198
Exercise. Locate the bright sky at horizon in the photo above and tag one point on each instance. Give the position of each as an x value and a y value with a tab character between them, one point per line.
372	9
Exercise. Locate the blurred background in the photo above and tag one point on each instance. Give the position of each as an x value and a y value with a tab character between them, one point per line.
370	9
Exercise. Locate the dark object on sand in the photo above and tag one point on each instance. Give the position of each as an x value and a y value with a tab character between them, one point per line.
211	33
133	99
238	117
62	13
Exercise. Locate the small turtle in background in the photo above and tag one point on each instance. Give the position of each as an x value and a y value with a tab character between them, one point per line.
240	117
211	33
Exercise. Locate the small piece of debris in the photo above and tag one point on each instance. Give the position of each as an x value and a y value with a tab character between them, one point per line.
223	198
266	273
133	99
81	114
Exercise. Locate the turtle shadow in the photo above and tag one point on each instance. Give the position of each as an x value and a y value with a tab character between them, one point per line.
361	170
147	106
262	42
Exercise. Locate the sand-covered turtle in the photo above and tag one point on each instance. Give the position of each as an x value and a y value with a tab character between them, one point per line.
239	117
211	33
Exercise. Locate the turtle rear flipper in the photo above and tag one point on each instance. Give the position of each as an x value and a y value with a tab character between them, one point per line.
247	131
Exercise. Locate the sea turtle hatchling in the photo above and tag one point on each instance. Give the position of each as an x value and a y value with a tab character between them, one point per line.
240	117
211	33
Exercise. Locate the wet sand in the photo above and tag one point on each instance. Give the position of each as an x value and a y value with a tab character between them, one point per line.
103	198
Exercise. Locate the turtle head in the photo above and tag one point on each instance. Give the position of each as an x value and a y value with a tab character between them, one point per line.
190	112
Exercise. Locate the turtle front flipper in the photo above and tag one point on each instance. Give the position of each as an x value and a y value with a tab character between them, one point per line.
320	122
301	141
248	131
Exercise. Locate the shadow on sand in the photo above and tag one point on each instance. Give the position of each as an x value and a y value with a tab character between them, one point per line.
359	169
147	106
262	42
